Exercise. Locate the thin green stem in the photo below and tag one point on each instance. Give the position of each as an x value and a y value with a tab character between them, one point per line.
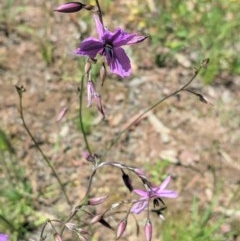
8	222
151	108
20	90
81	115
99	11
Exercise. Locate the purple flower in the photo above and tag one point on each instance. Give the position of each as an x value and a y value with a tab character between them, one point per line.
109	45
3	237
152	193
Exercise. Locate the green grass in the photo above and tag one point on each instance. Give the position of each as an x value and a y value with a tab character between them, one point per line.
201	28
201	224
18	216
156	170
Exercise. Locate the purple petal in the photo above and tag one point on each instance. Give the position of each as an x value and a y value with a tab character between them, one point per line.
3	237
100	28
167	194
119	63
120	38
141	192
139	206
89	47
165	183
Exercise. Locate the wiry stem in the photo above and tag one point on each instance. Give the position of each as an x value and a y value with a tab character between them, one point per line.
203	64
81	115
99	11
20	90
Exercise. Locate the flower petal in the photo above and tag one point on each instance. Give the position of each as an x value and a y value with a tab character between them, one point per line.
89	47
120	38
100	28
141	192
119	63
139	206
167	194
165	183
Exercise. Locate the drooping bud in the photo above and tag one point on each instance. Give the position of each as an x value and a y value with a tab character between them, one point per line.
97	200
148	230
57	237
121	228
103	73
127	181
96	218
70	7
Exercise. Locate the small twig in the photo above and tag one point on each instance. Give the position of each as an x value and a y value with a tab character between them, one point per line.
20	90
203	65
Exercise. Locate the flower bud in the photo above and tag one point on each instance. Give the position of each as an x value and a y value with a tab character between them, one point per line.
121	228
148	230
96	218
70	7
96	200
127	181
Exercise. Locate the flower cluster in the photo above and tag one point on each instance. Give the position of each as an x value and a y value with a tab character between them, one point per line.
154	193
108	46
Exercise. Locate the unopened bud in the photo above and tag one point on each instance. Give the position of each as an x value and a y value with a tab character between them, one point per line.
57	237
127	181
148	230
103	73
70	7
121	228
96	218
97	200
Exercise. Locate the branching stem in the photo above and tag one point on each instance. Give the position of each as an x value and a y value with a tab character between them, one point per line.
20	90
